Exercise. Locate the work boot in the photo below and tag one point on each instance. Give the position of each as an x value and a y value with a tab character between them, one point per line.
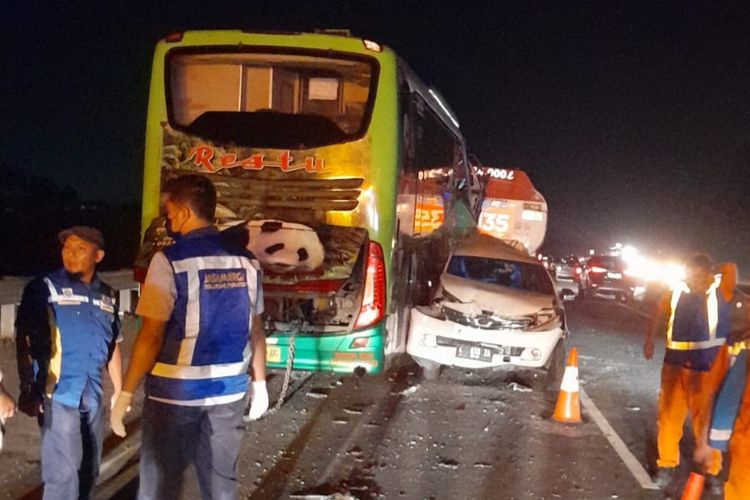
714	485
663	476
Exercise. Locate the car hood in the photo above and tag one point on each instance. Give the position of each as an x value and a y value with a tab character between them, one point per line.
478	298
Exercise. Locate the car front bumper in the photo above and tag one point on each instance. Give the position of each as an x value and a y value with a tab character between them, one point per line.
448	343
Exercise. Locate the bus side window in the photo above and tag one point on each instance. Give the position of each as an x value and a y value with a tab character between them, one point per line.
436	150
407	173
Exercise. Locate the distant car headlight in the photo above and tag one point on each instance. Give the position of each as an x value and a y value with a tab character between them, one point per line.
546	319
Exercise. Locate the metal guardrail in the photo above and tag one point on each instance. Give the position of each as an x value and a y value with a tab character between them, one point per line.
11	289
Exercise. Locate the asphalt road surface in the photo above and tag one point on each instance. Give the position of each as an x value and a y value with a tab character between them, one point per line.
467	435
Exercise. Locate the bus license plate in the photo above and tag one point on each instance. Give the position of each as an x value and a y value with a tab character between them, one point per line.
475	352
273	354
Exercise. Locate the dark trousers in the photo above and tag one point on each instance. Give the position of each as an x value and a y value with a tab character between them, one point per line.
174	436
71	450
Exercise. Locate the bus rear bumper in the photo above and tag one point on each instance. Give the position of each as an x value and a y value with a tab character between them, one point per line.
338	353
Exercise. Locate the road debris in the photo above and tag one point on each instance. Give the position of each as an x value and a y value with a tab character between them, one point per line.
409	390
318	393
519	388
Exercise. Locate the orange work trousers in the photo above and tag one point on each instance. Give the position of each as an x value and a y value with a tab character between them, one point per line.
685	391
737	486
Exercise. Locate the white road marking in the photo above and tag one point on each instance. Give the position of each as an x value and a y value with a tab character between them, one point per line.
633	465
633	309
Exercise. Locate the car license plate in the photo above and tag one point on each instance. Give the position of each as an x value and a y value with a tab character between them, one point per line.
273	354
614	276
476	352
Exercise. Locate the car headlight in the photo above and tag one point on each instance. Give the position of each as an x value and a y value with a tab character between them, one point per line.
546	319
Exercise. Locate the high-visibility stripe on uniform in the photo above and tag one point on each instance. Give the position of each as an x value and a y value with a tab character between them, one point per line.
203	372
104	306
62	299
712	313
55	355
736	348
192	266
216	400
720	434
192	390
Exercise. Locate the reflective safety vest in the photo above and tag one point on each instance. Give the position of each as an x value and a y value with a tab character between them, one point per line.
84	327
698	325
206	352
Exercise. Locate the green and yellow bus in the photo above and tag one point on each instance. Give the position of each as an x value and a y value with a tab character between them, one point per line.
334	164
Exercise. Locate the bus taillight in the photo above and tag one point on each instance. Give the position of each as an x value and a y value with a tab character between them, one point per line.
373	302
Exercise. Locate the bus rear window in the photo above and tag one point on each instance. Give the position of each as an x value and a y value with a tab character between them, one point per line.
270	100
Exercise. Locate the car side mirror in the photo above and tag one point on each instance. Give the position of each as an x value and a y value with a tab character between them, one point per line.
566	294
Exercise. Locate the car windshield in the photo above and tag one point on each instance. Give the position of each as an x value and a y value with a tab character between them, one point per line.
508	273
274	100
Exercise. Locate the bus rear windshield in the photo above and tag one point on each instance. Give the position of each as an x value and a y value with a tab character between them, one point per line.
507	273
270	100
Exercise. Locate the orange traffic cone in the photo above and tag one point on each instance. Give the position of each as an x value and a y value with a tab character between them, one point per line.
568	408
693	487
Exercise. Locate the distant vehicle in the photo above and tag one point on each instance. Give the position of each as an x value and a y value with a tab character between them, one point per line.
606	276
496	308
342	172
568	269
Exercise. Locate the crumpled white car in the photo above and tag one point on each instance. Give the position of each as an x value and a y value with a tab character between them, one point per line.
496	308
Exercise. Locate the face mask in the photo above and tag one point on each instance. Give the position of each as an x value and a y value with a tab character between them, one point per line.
175	235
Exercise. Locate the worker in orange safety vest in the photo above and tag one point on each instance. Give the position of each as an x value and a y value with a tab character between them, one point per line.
695	318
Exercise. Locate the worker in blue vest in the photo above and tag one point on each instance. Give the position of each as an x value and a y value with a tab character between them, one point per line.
201	333
67	332
695	318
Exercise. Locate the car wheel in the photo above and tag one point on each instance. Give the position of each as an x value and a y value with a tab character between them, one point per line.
555	368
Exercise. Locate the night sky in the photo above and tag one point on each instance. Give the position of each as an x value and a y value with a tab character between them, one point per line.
632	118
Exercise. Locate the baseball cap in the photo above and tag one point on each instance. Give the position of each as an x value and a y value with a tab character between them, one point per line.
88	233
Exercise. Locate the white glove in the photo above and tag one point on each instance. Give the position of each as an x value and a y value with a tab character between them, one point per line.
120	408
259	401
